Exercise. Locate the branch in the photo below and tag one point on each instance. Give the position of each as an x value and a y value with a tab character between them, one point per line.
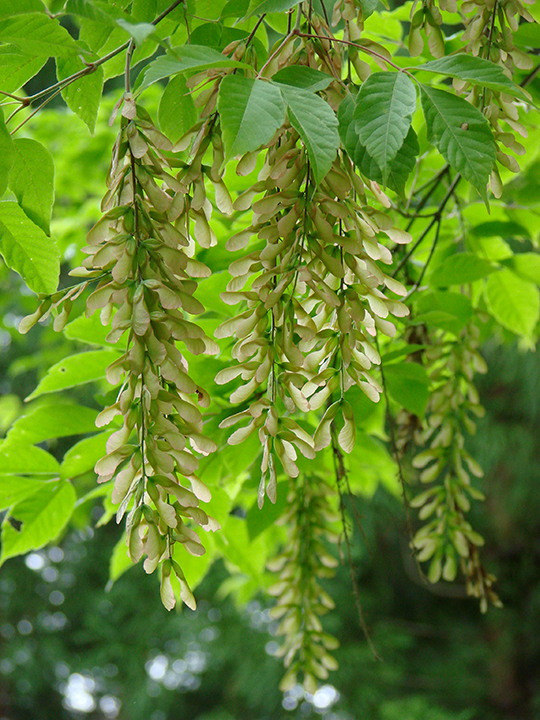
88	70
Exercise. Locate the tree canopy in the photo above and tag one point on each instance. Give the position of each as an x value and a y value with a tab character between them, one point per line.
267	241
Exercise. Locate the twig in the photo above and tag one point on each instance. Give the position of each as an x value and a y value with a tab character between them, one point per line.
88	70
341	474
436	219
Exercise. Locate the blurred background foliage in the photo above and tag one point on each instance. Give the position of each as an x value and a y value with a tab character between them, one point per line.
73	646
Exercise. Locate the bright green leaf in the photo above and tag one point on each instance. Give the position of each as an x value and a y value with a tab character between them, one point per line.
6	154
446	310
408	384
82	456
27	250
43	515
462	135
75	370
13	489
526	265
251	111
383	115
38	34
90	331
83	96
139	32
16	68
120	560
176	112
316	123
52	419
513	302
23	459
476	70
32	180
460	269
9	8
369	465
258	520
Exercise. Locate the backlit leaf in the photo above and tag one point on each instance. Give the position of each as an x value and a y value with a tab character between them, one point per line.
83	96
408	384
513	302
52	419
38	34
18	458
27	250
176	112
460	269
6	153
75	370
32	180
43	516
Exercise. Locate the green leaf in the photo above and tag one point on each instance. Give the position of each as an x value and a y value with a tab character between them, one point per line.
527	36
500	228
183	59
303	77
176	112
13	489
38	34
235	8
476	70
120	560
251	111
27	250
274	6
52	419
90	331
258	520
82	456
139	32
446	310
75	370
383	115
24	459
462	135
316	123
408	384
32	180
369	465
401	166
526	265
513	302
460	269
6	153
94	11
9	8
16	69
43	515
83	96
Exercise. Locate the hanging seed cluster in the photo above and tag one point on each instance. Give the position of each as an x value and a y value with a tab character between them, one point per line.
489	28
315	298
143	249
447	539
310	518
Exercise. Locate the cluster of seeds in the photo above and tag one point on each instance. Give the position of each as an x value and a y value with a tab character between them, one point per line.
143	251
447	538
313	293
301	601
